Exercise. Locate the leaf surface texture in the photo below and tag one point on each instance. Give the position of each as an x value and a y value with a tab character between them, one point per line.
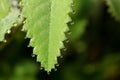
4	8
46	23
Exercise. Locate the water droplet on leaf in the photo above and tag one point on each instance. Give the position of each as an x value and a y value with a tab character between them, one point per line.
57	65
5	40
15	24
33	55
55	69
8	31
61	56
71	23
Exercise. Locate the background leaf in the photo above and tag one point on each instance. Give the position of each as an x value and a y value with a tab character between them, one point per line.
7	23
82	10
114	8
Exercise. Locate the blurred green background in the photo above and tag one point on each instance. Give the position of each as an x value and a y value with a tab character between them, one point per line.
92	52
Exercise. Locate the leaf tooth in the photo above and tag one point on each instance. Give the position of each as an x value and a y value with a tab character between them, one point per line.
43	65
64	37
68	18
40	58
112	10
28	34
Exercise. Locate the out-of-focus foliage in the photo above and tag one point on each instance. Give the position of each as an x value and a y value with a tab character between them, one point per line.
93	52
24	71
82	9
114	8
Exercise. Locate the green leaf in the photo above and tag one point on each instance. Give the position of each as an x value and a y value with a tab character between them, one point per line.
82	10
7	23
46	23
114	8
22	68
4	8
78	29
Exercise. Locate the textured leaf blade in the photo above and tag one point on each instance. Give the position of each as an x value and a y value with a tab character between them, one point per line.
114	8
46	26
4	8
7	23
